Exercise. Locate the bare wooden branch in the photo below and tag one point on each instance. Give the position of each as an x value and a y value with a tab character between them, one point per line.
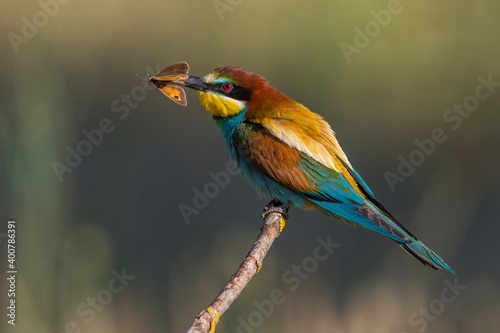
274	217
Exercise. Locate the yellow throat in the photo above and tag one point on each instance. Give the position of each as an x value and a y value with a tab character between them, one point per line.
219	105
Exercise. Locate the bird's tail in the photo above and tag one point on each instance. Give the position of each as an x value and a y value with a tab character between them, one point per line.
425	256
409	242
374	216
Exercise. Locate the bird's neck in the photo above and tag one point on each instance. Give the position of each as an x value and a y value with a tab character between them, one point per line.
227	126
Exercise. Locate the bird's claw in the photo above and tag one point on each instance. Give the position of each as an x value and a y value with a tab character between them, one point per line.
275	206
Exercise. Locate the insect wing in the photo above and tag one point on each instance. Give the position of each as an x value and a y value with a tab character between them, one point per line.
179	68
176	94
168	78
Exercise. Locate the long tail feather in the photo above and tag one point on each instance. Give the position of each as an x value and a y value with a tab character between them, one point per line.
378	219
411	244
425	256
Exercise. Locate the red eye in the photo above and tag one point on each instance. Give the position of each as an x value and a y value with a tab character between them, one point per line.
227	86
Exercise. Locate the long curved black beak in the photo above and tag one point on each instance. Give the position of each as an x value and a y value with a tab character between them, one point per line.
196	83
193	82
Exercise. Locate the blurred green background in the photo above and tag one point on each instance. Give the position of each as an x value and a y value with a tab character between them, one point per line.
118	208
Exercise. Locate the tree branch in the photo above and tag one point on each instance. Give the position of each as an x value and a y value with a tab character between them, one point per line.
274	216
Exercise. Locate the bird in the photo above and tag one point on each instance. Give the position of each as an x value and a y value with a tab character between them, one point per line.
290	154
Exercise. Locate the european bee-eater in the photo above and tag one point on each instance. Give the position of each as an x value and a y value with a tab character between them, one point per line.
289	153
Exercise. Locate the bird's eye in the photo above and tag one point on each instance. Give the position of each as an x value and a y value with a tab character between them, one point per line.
227	86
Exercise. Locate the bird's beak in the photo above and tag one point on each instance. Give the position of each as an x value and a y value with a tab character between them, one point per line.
196	83
193	82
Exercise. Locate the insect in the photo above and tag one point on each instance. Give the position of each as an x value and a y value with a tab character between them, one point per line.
161	79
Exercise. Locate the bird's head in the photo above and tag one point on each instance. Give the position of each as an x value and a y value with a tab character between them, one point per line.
228	90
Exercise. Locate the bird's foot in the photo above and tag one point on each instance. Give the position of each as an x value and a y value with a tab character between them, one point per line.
275	206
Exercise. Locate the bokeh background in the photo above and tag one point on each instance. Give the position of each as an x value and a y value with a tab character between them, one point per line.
119	208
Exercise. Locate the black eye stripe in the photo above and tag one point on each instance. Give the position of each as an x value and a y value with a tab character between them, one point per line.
236	92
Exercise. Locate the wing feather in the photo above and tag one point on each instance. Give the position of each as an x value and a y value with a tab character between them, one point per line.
294	168
338	190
